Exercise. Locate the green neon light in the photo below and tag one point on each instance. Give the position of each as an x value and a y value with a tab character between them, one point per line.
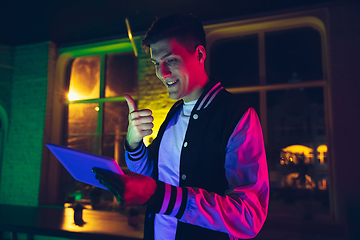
113	46
117	48
100	100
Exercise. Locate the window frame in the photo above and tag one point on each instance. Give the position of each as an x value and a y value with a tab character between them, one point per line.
314	19
98	49
52	170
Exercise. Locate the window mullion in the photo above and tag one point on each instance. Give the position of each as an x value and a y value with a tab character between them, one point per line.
262	93
101	104
102	76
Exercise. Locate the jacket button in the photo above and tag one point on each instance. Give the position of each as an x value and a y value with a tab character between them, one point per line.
183	177
195	116
185	144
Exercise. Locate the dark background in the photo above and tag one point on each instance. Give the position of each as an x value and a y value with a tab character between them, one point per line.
69	21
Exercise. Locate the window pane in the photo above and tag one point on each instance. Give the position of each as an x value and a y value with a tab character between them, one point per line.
82	127
85	78
297	151
235	61
115	128
252	98
293	55
121	74
83	135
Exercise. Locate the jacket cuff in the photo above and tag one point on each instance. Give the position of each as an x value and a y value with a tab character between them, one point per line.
137	153
169	200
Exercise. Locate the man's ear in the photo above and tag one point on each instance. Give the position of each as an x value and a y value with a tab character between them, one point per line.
201	53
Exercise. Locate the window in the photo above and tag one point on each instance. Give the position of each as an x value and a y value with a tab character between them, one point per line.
280	70
97	115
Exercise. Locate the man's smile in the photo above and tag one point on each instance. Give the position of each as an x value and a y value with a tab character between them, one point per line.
172	83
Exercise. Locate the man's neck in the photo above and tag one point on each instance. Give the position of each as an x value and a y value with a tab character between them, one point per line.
196	93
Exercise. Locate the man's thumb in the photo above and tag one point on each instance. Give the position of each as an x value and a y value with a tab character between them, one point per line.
131	103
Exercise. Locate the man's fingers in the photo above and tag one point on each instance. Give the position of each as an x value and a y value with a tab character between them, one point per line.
112	181
147	132
131	103
103	172
146	114
142	120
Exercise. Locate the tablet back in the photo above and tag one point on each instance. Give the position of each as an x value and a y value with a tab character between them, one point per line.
80	164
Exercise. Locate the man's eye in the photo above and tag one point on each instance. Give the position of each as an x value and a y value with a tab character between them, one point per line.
170	61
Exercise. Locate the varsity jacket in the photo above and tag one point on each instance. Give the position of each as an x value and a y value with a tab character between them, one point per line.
215	199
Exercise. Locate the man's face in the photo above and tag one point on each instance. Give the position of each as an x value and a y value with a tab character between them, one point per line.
177	69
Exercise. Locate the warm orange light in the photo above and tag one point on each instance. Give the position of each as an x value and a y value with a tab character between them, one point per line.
291	154
85	78
322	184
322	152
294	155
293	179
73	96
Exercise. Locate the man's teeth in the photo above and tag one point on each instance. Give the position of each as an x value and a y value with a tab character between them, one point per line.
171	83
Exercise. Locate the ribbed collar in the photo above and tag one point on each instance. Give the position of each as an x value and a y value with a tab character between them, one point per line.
211	89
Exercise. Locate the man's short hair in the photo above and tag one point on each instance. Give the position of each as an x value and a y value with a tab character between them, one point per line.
187	30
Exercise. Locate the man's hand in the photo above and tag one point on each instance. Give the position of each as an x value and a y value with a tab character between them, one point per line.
130	189
140	123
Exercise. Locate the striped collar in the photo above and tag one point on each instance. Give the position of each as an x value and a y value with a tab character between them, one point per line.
208	95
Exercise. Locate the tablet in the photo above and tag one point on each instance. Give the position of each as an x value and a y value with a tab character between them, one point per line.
80	164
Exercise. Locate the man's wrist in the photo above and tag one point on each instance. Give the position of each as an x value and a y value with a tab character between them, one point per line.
135	154
168	199
132	147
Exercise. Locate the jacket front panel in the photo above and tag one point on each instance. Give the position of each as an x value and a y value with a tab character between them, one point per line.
203	152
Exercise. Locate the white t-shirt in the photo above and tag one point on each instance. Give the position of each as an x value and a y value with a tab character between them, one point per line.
169	165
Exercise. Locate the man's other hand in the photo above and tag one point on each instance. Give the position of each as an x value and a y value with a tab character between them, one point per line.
140	123
130	189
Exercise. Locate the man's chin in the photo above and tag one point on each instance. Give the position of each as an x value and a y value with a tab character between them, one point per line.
174	96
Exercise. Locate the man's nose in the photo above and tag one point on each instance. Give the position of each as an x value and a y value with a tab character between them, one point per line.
165	71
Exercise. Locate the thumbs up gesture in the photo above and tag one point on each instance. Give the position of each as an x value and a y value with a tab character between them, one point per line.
140	123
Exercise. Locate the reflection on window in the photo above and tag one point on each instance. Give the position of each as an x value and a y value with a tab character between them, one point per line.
296	148
308	175
85	78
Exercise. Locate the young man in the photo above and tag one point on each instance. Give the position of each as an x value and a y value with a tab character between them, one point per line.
205	174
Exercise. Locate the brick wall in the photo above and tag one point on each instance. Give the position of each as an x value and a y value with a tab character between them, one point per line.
21	164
